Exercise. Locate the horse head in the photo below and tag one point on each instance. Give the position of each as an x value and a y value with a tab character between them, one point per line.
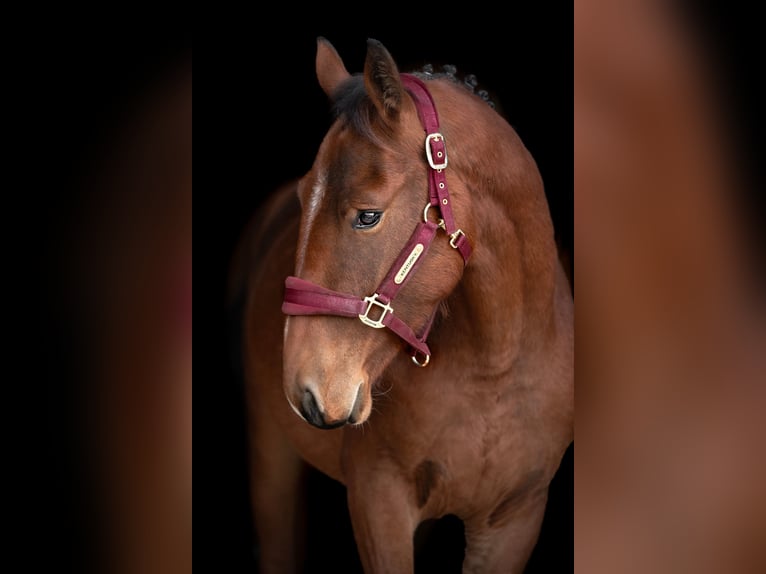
365	202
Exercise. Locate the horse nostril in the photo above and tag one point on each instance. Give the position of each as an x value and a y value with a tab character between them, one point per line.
314	415
310	409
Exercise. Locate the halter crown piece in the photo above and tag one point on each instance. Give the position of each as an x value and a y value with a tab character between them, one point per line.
306	298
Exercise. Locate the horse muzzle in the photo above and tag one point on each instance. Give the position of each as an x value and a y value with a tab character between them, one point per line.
328	406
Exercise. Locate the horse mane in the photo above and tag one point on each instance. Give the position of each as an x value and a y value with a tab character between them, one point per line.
353	107
449	72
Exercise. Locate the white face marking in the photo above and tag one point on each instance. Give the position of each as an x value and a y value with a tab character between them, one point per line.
312	209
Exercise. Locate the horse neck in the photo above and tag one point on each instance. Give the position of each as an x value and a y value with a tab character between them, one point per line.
505	302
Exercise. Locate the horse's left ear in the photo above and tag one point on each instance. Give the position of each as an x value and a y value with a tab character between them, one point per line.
382	80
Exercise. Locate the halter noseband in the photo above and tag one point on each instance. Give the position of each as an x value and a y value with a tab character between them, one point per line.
306	298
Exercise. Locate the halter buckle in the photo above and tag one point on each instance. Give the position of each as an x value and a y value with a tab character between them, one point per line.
429	153
375	323
454	237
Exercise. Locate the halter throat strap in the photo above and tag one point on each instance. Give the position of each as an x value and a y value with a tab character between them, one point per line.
306	298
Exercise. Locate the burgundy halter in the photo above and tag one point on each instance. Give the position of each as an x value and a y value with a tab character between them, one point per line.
306	298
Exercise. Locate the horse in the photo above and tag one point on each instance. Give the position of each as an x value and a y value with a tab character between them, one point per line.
407	325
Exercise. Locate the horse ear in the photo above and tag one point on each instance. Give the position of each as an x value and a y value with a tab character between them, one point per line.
330	69
382	80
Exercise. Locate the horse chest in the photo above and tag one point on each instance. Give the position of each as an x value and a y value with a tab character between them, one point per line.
458	450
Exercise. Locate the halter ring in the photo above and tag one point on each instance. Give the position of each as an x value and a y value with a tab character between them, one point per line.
418	363
439	223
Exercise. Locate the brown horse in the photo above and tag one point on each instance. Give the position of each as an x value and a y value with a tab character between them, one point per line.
421	237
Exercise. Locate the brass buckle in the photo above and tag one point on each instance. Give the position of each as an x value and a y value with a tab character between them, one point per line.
429	154
375	323
454	237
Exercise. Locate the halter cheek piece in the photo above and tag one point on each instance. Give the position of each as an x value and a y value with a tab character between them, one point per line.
306	298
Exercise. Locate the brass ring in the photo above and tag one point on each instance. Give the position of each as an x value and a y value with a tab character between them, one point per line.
418	363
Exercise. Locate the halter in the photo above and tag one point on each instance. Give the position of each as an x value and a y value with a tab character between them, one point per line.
306	298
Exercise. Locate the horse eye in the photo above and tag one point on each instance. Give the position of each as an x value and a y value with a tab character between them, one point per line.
367	219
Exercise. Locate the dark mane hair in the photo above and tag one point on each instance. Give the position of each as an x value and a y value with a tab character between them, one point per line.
356	110
449	72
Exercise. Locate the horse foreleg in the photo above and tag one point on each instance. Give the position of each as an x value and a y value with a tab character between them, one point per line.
502	542
383	524
277	487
